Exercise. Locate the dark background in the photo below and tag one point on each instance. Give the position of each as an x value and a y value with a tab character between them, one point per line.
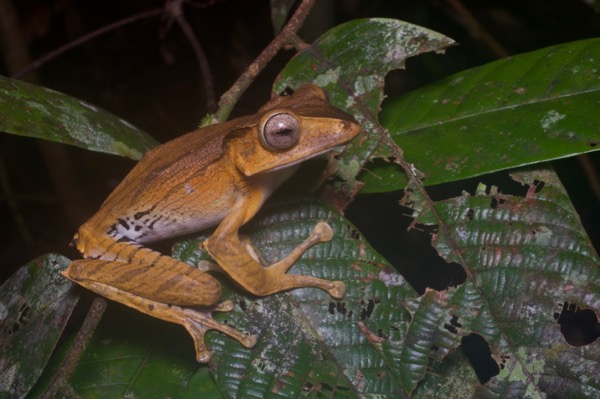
146	73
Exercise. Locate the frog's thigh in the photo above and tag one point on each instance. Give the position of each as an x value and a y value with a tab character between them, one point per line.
168	281
92	274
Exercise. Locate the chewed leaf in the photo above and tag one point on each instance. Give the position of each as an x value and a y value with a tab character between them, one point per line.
517	111
525	257
34	111
351	61
308	341
35	304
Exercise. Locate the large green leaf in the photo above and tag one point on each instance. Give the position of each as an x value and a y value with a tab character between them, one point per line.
34	111
131	354
350	61
35	305
517	111
307	341
525	257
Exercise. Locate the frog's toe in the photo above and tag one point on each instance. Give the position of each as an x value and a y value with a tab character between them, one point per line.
323	231
337	290
225	306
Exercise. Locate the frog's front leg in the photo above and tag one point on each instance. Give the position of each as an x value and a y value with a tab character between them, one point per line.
159	286
237	260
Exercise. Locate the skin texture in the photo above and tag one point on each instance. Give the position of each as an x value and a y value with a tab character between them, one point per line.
220	176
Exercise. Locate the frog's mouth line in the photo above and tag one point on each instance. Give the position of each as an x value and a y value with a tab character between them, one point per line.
314	155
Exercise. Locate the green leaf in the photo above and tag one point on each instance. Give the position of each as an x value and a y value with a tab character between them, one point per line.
34	111
525	257
350	61
308	343
453	378
35	304
521	110
133	355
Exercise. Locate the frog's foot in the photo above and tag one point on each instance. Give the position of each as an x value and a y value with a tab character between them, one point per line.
208	266
321	233
195	321
198	322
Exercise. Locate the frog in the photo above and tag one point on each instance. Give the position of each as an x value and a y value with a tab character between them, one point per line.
217	176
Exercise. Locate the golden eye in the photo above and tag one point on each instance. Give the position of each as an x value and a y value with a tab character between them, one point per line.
281	131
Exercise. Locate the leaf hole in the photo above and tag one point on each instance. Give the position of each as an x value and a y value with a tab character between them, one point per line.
21	320
450	328
477	350
454	325
538	185
593	144
504	359
367	309
341	307
496	202
352	232
454	321
470	214
579	326
387	227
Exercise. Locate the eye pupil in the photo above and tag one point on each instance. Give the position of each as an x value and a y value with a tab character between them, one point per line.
281	131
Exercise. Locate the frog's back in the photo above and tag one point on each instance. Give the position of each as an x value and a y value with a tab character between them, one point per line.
159	197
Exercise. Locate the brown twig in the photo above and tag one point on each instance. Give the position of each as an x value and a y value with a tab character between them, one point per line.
175	9
59	383
55	53
231	96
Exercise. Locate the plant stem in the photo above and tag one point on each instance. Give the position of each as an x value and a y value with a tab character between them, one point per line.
59	383
231	96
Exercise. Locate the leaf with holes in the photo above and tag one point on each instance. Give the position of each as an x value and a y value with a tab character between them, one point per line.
308	343
525	258
33	111
350	61
35	304
521	110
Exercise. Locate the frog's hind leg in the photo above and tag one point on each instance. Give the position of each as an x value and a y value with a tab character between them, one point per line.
129	284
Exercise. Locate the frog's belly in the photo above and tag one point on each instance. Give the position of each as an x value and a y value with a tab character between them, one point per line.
169	226
186	209
192	206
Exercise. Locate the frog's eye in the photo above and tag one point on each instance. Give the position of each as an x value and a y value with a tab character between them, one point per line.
281	131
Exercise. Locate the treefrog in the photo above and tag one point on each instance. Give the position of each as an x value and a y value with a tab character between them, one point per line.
218	175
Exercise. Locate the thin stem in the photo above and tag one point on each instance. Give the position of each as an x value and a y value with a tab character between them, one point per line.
230	98
175	8
59	383
55	53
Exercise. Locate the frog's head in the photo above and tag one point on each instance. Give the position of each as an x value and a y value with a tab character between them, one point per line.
290	130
